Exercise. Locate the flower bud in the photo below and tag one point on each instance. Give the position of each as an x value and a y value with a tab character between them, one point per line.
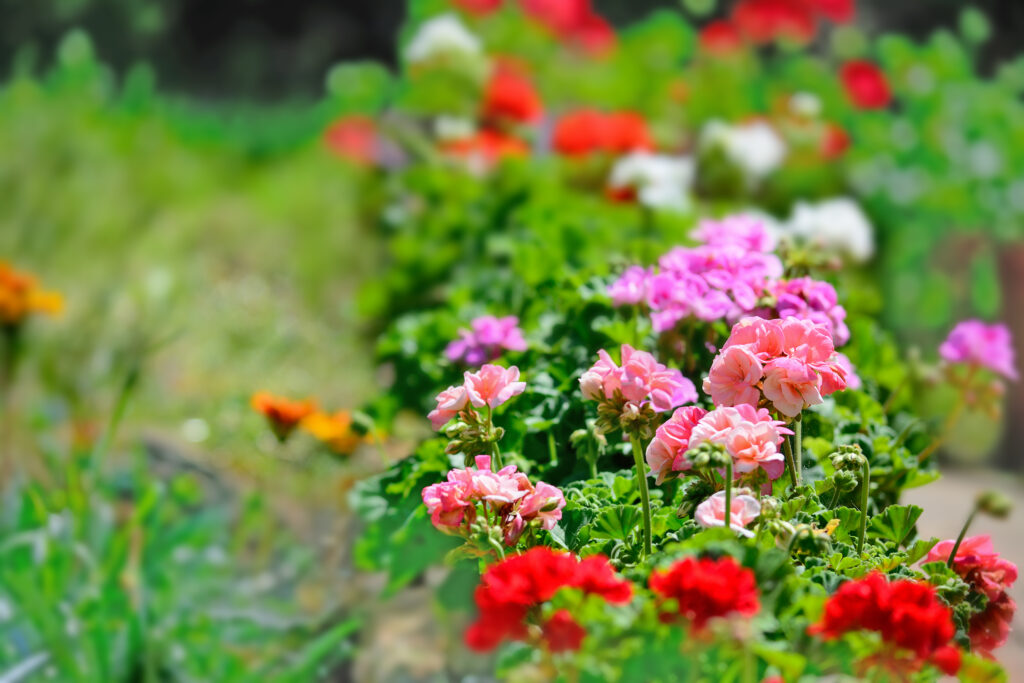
848	457
994	504
845	481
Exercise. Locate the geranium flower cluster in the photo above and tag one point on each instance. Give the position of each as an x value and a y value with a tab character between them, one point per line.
634	390
976	344
21	296
724	278
574	22
810	299
509	96
766	21
704	589
589	131
979	565
487	338
916	628
788	364
508	496
512	592
488	387
748	434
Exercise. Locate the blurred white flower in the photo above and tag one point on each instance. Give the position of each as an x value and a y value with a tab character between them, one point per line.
660	181
754	146
453	128
836	225
442	35
805	104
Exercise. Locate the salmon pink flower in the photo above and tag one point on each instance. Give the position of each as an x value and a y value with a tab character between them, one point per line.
493	385
974	343
734	377
667	450
750	436
544	503
791	385
978	564
449	403
745	509
640	380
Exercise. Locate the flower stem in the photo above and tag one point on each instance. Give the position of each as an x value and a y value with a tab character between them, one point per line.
787	448
960	538
645	496
728	493
798	446
865	484
495	450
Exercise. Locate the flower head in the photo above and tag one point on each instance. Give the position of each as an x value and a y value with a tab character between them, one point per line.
21	296
865	85
449	403
509	95
641	380
487	339
492	385
282	414
588	131
745	509
972	342
333	430
667	450
442	37
706	589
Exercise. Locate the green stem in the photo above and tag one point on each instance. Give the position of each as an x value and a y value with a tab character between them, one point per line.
552	452
728	494
960	538
798	447
865	484
121	404
495	450
787	448
645	496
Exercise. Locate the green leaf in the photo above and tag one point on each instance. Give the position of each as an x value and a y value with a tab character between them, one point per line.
617	522
896	522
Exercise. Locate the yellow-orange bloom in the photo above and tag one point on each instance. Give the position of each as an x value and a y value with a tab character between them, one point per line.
335	431
283	414
20	296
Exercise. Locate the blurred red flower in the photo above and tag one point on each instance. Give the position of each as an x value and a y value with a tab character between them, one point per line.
353	138
587	130
764	21
834	141
865	85
705	589
562	633
573	20
487	146
510	95
721	38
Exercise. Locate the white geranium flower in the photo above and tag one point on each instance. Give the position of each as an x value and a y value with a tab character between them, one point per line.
754	147
442	35
660	181
837	225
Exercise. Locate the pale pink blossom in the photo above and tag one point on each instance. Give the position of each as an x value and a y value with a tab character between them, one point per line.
791	385
734	376
666	452
640	379
750	436
745	509
974	343
492	385
448	503
544	503
631	287
449	403
853	380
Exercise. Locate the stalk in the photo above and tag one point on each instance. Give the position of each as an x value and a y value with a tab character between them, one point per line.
865	490
960	538
787	448
645	496
728	493
495	450
798	449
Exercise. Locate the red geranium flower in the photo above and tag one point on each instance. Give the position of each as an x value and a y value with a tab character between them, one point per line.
705	589
865	85
574	21
721	38
353	138
834	141
906	613
587	130
990	629
510	95
764	21
478	6
510	590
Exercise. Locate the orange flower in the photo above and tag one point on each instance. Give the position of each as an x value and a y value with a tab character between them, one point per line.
282	414
335	431
20	296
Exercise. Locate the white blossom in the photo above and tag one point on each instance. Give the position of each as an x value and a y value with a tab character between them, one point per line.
836	225
443	35
660	181
754	147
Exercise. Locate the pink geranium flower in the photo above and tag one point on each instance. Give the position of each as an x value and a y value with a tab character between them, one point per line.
750	436
791	385
632	286
978	564
639	380
492	385
972	342
666	452
745	509
734	376
449	403
487	340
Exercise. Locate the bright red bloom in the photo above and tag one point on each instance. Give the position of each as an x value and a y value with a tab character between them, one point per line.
906	613
721	38
587	130
594	34
765	21
562	633
478	6
705	589
353	138
510	590
510	95
865	85
574	21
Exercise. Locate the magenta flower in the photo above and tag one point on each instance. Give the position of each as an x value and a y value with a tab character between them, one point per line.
740	230
639	380
972	342
813	300
631	287
745	509
492	385
667	450
487	340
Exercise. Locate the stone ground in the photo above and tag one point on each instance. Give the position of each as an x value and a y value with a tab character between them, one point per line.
947	503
